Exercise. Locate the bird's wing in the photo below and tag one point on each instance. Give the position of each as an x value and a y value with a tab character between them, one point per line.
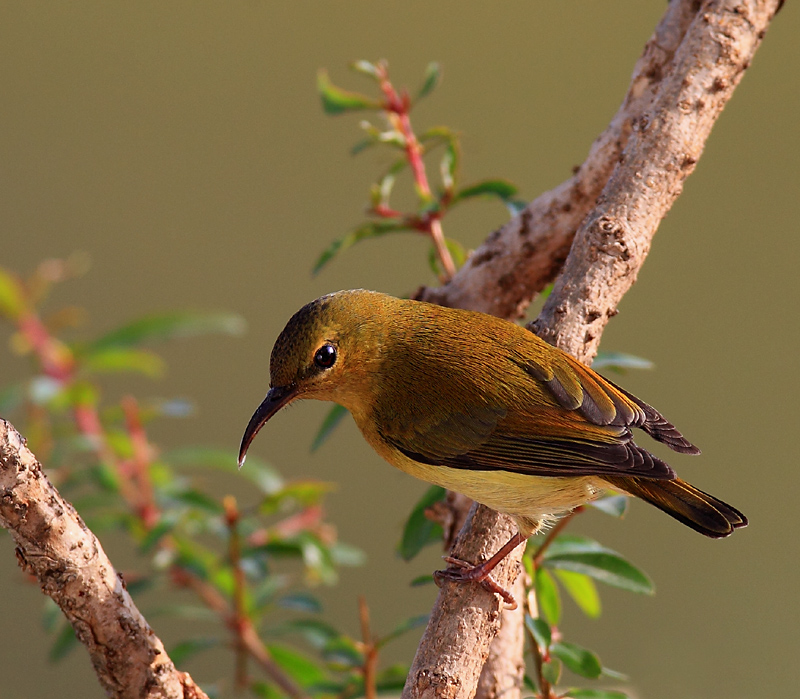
606	450
577	387
582	429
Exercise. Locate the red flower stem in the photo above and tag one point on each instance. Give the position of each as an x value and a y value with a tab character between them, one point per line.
398	108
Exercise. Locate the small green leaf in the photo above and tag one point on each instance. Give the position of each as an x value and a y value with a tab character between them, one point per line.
337	101
421	580
197	500
419	530
433	74
343	653
620	362
256	471
335	415
64	642
165	525
595	694
118	359
582	589
187	649
317	633
547	597
297	666
299	493
343	554
449	166
580	660
582	555
300	601
167	326
614	505
551	671
409	624
373	229
496	188
540	630
12	298
392	680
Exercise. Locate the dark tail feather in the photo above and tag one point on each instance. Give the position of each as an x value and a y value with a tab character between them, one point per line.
702	512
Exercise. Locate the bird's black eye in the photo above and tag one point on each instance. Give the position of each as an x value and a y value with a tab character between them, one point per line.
325	356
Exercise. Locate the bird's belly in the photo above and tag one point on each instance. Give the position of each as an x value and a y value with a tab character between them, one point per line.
521	496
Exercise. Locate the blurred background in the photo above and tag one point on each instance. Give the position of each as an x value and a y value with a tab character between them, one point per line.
183	149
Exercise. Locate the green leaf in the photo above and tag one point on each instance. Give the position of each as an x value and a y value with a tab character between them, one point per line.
551	671
256	471
12	299
317	633
595	694
582	555
300	601
433	74
187	649
580	660
409	624
547	597
620	362
582	589
64	642
118	359
167	326
392	679
197	500
342	652
300	493
165	525
344	554
373	229
540	630
496	188
421	580
337	101
329	424
614	505
419	531
297	666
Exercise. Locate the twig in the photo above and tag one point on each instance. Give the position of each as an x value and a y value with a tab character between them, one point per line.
369	669
398	107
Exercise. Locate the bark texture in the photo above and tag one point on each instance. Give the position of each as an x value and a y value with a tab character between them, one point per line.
55	546
604	217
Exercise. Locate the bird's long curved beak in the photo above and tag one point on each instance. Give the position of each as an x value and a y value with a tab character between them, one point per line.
277	397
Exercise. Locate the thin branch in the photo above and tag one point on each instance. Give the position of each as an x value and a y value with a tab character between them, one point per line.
684	79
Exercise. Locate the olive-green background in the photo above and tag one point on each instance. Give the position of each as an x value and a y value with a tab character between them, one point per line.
182	147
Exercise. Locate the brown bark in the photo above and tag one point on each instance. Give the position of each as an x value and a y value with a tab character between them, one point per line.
56	547
633	174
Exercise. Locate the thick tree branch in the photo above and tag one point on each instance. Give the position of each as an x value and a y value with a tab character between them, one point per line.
55	546
632	176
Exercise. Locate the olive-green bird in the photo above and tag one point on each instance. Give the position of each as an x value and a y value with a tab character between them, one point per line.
483	407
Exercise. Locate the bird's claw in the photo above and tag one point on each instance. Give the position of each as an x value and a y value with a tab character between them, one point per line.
460	571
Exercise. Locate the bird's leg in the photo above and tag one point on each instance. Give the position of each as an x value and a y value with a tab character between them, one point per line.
461	571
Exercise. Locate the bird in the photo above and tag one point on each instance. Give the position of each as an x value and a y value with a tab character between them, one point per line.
484	407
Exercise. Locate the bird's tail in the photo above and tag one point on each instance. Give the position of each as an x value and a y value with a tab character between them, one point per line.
702	512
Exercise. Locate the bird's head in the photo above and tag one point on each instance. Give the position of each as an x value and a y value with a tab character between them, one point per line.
327	351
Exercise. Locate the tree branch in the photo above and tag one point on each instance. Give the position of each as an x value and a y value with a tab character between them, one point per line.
633	174
55	546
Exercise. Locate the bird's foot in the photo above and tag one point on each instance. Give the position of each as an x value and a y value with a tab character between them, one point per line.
460	571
